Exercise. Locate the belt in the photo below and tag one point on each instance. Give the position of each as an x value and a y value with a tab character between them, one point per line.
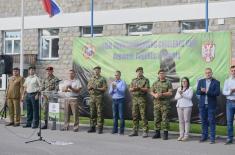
32	93
116	99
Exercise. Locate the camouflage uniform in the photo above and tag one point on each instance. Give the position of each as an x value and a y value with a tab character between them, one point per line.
161	105
49	84
96	100
139	103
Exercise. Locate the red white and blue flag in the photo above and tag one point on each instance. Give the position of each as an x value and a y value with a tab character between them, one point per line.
51	7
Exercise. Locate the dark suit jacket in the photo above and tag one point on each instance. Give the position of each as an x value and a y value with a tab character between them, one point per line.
212	93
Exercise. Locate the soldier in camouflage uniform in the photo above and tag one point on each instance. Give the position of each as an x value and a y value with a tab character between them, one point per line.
97	86
50	84
139	88
161	91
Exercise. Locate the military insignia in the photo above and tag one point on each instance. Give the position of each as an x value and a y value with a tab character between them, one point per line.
88	51
208	51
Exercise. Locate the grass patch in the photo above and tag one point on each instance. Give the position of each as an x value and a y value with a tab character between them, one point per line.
174	126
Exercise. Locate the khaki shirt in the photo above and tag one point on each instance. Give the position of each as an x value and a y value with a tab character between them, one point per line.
141	82
32	84
15	87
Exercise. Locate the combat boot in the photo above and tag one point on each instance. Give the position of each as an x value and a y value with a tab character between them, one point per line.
134	133
92	129
145	135
165	135
100	131
157	134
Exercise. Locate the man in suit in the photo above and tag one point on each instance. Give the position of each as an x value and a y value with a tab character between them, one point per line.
208	89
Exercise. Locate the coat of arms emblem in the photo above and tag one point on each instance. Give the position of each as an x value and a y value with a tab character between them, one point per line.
88	51
208	51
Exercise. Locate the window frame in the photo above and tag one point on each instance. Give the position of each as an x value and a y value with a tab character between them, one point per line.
50	38
3	78
191	30
12	42
139	33
94	34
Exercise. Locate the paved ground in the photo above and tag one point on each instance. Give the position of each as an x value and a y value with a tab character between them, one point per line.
12	142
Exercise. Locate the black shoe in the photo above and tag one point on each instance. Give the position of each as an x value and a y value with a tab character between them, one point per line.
91	130
16	124
212	142
157	134
44	127
134	133
114	132
228	142
9	124
203	140
27	126
35	127
121	133
165	135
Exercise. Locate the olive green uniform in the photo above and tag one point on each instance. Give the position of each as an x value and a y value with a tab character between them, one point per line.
96	100
139	103
162	104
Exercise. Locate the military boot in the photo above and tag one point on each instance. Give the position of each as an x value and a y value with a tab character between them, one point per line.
165	135
92	129
134	133
100	131
145	134
157	134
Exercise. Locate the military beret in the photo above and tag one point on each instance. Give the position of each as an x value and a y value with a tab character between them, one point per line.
31	67
139	68
97	67
49	68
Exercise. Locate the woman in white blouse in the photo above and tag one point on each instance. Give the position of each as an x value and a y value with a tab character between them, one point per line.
184	105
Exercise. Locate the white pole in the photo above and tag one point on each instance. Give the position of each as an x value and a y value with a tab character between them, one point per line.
21	40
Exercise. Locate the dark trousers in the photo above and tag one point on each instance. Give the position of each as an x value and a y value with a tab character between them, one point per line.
207	116
118	112
32	109
230	111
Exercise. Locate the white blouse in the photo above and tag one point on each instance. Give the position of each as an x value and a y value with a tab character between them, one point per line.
184	100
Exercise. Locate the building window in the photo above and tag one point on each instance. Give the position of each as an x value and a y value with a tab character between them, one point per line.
192	26
12	42
140	29
3	78
97	31
49	44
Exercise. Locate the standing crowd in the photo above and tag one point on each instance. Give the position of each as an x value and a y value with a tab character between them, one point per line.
161	90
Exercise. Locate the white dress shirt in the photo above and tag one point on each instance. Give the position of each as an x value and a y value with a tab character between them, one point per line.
185	99
228	85
75	83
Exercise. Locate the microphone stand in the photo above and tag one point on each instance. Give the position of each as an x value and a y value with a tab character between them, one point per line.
40	122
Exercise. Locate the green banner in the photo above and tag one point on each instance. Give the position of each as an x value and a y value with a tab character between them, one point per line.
179	54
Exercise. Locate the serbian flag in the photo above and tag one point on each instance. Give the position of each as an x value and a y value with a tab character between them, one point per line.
51	7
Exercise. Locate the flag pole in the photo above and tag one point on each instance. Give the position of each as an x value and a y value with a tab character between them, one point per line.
206	19
92	17
22	42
